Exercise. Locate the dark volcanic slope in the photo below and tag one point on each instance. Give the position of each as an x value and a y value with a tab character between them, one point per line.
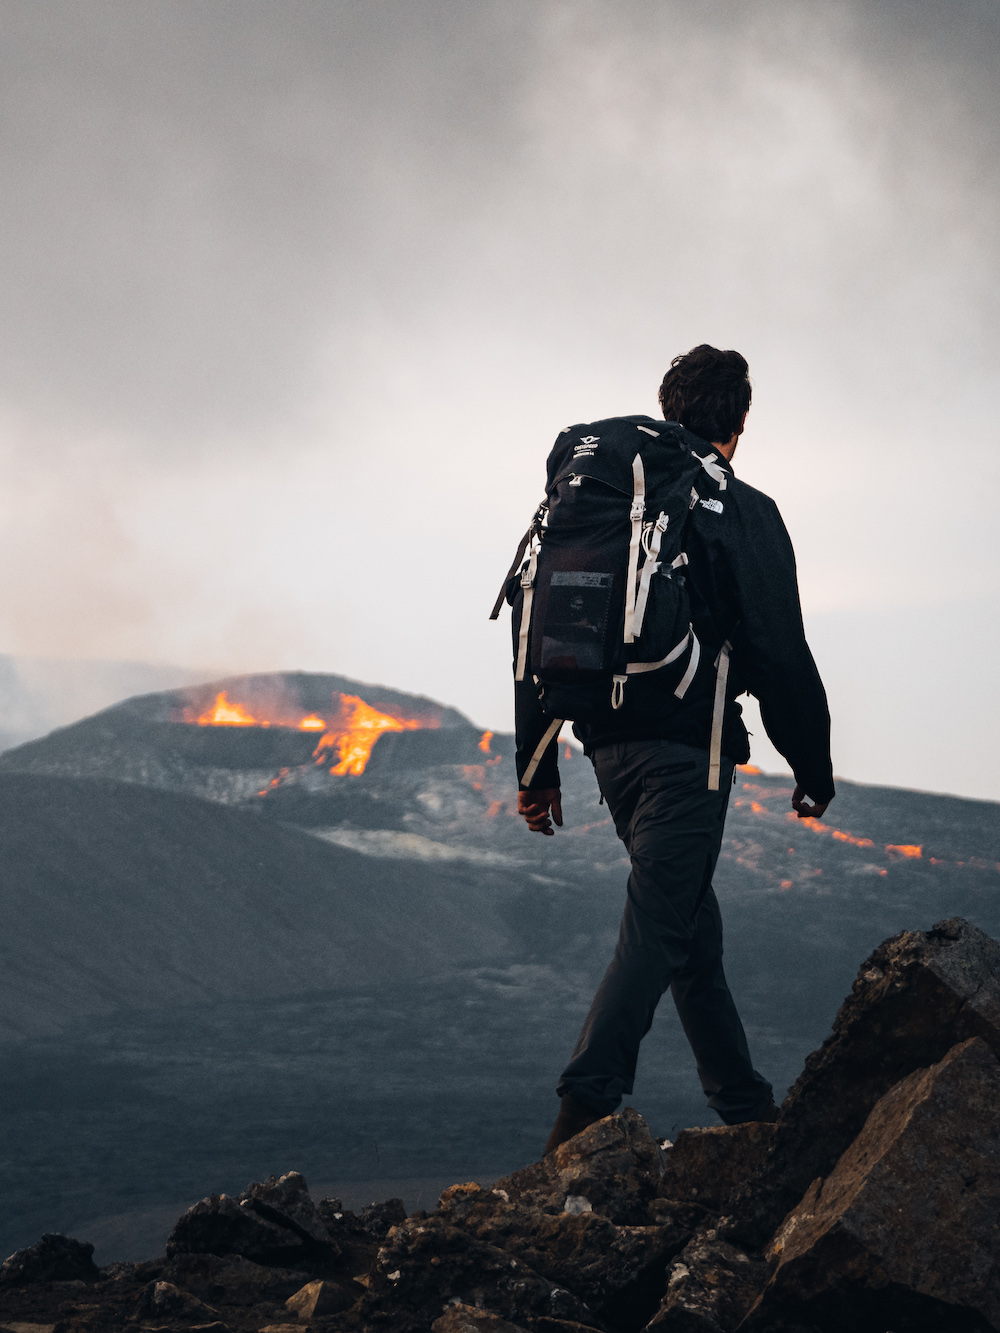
147	740
116	895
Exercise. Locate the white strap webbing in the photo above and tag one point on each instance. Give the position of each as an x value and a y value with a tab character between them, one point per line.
633	667
636	516
649	568
718	713
692	666
711	465
528	593
551	733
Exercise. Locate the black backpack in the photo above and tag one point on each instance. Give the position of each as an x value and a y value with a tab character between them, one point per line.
601	608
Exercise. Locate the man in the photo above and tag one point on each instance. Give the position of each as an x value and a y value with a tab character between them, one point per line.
654	774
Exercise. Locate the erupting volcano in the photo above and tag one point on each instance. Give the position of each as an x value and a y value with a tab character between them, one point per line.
350	730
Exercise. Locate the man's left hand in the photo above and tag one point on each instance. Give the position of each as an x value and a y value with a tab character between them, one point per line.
801	806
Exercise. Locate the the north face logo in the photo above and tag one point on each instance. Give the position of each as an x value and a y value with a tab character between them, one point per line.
714	505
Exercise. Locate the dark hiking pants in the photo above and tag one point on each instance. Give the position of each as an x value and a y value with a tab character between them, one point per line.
671	933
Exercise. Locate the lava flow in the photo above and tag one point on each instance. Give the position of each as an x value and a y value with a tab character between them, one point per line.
348	734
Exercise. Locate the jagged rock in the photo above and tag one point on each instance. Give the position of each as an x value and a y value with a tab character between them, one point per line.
164	1300
231	1279
467	1319
316	1299
426	1263
710	1287
54	1258
709	1165
915	997
904	1231
273	1223
619	1271
378	1218
286	1201
614	1165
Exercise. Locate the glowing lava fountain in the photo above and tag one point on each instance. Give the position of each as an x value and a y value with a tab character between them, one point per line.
350	733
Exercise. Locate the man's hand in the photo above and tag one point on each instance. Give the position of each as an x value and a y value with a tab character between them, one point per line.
802	807
534	806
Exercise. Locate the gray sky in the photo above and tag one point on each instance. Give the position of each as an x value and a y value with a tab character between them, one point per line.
296	295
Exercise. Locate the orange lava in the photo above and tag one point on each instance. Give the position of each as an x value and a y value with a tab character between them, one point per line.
225	714
351	732
484	744
906	849
355	733
749	768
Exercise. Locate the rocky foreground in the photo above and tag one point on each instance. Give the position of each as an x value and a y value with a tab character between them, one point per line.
872	1205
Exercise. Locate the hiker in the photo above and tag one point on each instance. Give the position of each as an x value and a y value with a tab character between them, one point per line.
652	589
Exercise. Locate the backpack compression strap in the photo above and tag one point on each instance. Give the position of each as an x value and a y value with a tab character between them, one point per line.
718	714
636	514
651	545
551	732
527	596
536	524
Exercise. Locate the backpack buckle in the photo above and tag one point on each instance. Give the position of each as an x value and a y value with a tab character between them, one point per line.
637	510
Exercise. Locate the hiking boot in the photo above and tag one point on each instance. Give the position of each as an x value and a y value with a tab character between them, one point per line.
768	1113
574	1117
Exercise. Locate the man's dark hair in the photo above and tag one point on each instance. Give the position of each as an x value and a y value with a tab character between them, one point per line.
707	391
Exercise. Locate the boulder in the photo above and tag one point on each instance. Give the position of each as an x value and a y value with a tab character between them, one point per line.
54	1258
316	1299
426	1264
618	1271
614	1166
273	1223
231	1279
378	1218
905	1231
710	1287
915	997
708	1166
164	1300
467	1319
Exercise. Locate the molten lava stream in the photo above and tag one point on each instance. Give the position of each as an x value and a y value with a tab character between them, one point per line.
355	733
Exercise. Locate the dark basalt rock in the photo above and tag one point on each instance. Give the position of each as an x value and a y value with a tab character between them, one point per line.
273	1223
615	1166
912	1206
231	1279
378	1218
919	994
708	1166
54	1258
467	1319
619	1271
426	1263
710	1287
164	1300
316	1299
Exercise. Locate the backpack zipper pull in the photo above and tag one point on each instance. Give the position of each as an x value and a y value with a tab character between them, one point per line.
618	691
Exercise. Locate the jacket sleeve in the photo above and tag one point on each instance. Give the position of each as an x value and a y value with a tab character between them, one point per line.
531	726
773	655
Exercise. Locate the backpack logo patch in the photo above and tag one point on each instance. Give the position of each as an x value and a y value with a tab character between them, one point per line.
714	505
586	447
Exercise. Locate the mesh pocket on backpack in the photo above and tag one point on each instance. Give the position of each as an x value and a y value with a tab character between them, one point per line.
575	628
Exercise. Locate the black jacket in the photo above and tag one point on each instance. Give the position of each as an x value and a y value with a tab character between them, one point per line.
743	587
